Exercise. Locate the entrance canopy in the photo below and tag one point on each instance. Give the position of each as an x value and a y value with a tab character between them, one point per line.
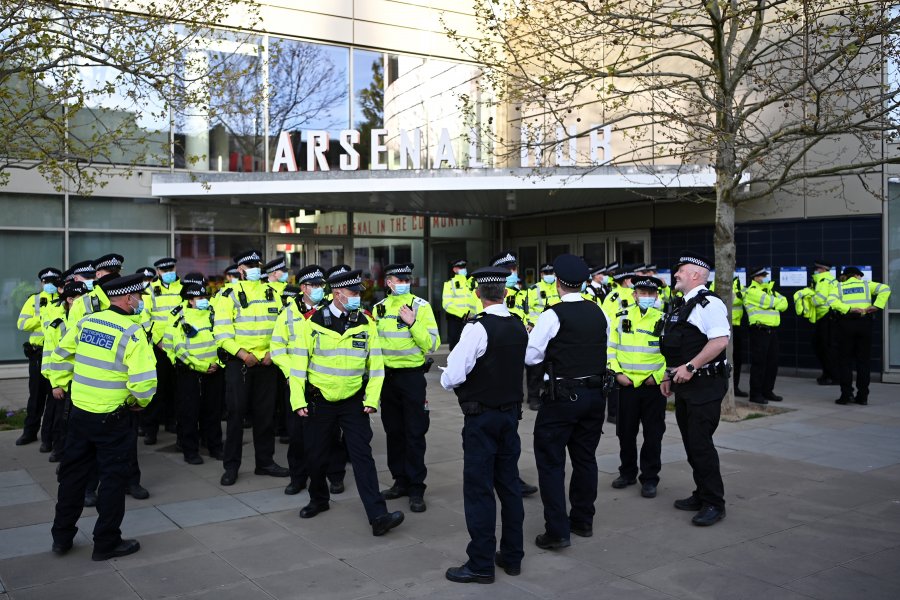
483	193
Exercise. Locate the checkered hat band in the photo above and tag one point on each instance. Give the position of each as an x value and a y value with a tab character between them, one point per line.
694	261
277	267
491	279
509	258
166	264
80	270
147	273
341	270
197	292
197	281
250	257
110	262
624	275
399	271
131	289
348	283
313	275
568	283
647	284
49	273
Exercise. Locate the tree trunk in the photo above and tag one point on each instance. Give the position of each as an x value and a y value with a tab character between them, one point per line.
724	263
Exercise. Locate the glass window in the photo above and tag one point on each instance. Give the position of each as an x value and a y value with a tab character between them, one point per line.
139	250
372	255
368	98
330	255
211	217
117	213
893	269
226	133
309	90
18	280
211	254
391	225
306	221
31	210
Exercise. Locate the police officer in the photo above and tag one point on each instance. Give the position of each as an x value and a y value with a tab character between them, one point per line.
458	300
408	333
570	338
243	325
31	318
277	273
599	281
639	368
695	337
199	376
856	301
335	270
516	295
112	373
148	273
336	382
312	285
620	296
160	300
541	295
823	285
485	372
763	306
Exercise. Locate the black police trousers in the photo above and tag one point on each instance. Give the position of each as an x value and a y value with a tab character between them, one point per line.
163	403
642	407
252	388
763	360
574	425
491	449
534	382
823	341
93	444
697	424
39	400
322	424
404	415
455	326
199	409
854	340
337	456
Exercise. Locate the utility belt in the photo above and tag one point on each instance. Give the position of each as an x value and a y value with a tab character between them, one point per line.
31	351
721	369
314	395
764	327
566	389
851	316
423	368
465	318
471	408
121	413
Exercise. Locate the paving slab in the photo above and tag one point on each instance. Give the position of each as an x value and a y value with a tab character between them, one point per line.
179	577
22	494
14	478
332	581
206	510
840	583
30	539
108	586
138	522
273	500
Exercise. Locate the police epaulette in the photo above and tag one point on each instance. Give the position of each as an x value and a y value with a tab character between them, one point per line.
622	313
176	310
533	286
56	322
179	319
157	290
703	301
419	301
43	301
226	292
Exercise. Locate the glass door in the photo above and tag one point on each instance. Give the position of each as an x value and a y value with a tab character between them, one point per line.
292	248
593	249
529	254
632	247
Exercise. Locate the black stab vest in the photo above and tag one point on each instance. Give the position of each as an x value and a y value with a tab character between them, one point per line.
496	379
579	348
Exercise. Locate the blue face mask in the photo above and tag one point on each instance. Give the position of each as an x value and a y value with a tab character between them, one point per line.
401	288
284	277
254	274
549	278
169	277
767	279
50	288
317	294
583	285
203	304
606	280
646	302
351	303
512	279
463	272
89	284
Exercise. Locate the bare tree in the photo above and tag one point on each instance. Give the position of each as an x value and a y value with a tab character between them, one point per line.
769	92
85	83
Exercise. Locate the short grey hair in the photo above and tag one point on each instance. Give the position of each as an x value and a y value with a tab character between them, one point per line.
494	292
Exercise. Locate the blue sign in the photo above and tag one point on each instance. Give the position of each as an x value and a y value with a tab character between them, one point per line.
96	338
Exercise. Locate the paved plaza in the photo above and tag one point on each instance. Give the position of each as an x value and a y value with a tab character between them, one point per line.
813	512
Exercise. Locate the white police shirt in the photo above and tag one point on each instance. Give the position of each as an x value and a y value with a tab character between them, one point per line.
471	346
545	329
712	319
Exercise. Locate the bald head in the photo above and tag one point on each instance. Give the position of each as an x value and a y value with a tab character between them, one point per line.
689	276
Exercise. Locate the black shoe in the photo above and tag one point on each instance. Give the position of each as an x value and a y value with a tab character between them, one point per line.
708	515
691	503
739	393
861	400
394	492
90	498
150	438
534	403
217	455
193	460
620	482
45	448
295	487
824	380
581	530
648	490
124	548
463	574
54	457
416	504
25	439
228	477
381	525
545	541
510	570
272	470
528	489
758	400
60	548
773	397
138	492
311	510
336	487
842	400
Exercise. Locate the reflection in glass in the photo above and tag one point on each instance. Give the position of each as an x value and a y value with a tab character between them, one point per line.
368	98
392	225
372	255
118	213
210	254
218	218
138	249
31	210
307	221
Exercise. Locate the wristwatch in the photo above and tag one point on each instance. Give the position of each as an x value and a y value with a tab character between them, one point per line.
690	368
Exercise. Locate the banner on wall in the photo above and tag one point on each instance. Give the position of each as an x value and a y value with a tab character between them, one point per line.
793	277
